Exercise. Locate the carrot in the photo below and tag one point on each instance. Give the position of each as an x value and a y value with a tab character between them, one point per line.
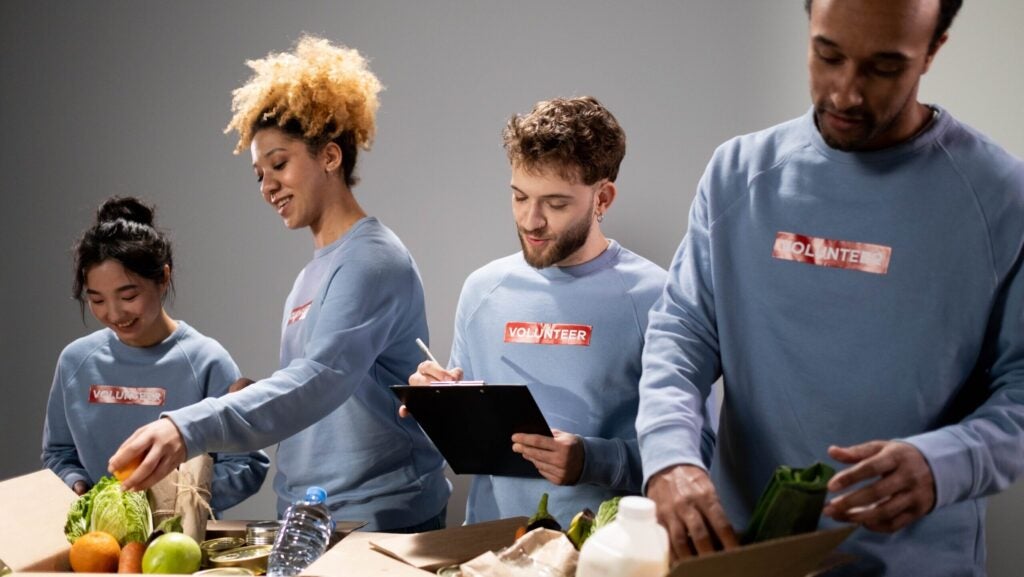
131	558
520	531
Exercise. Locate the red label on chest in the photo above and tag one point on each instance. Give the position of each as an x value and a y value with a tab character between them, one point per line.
298	313
113	395
862	256
548	333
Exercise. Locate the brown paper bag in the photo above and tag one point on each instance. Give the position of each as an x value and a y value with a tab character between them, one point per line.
185	492
541	552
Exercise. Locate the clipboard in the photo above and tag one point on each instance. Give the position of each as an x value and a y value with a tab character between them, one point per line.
472	424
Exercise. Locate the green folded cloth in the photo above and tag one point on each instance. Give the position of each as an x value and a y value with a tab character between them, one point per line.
791	503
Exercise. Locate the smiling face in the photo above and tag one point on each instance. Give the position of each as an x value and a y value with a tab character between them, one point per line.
130	305
295	183
866	58
556	218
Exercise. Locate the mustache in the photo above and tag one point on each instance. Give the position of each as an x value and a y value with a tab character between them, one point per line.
853	113
537	233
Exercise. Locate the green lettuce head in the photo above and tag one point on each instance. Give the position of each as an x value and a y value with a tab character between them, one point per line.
108	508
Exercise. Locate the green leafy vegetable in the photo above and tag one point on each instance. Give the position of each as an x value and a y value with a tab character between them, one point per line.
791	503
606	512
169	525
108	508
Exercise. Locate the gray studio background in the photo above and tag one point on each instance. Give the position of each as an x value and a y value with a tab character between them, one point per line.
101	98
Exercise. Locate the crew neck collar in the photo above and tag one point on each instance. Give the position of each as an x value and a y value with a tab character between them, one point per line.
597	263
157	349
317	253
940	121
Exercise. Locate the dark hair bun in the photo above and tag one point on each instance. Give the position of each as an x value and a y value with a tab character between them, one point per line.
128	208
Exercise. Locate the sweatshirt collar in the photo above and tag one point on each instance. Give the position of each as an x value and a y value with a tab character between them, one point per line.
593	265
938	125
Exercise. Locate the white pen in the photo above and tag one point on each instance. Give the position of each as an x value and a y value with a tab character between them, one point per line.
426	351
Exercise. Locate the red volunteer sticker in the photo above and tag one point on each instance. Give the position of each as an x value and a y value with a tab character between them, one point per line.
548	334
112	395
862	256
298	313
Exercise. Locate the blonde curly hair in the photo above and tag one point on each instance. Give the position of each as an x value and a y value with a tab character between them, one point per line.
319	91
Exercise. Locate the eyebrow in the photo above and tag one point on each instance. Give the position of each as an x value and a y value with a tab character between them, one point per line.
896	56
562	195
269	152
119	289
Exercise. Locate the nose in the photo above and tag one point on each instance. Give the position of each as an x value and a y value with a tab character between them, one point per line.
847	91
534	219
268	187
114	312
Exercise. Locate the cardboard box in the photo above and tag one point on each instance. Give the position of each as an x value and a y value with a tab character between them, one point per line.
34	508
422	554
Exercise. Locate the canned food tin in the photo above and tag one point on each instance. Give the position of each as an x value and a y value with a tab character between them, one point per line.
214	546
251	557
262	532
226	571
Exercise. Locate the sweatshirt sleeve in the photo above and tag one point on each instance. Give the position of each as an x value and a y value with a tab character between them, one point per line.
59	452
681	354
359	309
984	453
612	463
236	476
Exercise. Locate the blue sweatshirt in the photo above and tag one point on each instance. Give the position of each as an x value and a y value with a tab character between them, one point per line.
104	389
349	332
584	375
847	297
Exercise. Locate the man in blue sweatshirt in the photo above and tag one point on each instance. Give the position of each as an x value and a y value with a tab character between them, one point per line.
855	275
565	316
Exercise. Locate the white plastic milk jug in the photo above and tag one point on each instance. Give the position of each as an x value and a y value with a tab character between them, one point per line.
633	545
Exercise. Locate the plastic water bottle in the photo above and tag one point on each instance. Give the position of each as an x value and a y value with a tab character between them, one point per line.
305	531
633	545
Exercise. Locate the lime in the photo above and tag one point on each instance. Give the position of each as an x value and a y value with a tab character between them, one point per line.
172	553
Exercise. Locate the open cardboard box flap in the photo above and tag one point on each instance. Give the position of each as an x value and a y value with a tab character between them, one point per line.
435	549
34	508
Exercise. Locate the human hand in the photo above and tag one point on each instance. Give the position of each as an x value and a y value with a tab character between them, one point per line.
903	490
429	372
559	459
240	384
157	447
688	507
80	488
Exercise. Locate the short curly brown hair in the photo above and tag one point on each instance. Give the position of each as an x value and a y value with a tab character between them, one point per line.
320	93
577	138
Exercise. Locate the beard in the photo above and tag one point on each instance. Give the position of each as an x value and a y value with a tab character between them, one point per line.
849	142
870	128
560	248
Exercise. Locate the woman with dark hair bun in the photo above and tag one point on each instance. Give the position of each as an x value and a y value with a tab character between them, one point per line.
141	364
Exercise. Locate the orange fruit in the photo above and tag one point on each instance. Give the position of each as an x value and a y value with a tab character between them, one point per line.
126	471
95	552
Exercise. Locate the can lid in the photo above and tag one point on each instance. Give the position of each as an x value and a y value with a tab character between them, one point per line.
226	571
252	556
263	527
222	544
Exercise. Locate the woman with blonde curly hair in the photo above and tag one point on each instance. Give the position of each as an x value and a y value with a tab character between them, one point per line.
350	323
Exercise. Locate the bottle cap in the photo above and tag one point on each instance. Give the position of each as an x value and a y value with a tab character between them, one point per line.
637	509
316	494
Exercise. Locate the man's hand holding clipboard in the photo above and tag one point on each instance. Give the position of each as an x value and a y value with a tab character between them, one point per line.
511	436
